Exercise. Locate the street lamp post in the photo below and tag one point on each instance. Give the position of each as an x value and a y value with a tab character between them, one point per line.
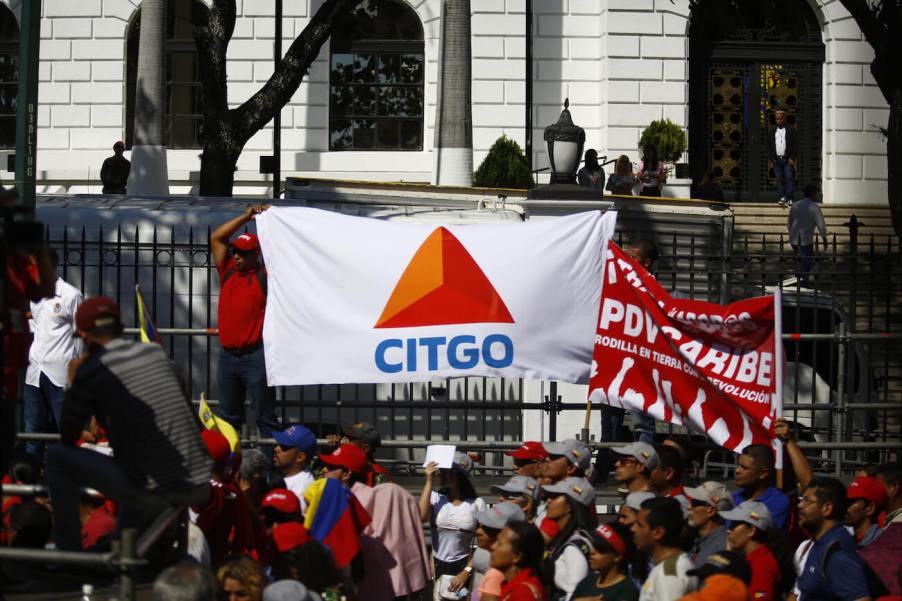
564	143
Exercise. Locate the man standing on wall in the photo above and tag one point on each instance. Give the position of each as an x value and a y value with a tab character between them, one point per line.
55	344
241	369
782	146
115	170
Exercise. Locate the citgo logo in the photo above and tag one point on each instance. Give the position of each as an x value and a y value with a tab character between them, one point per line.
443	285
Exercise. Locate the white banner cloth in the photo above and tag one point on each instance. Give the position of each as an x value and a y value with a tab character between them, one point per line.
354	299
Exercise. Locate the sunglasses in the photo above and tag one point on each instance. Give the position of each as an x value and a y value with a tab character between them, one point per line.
237	251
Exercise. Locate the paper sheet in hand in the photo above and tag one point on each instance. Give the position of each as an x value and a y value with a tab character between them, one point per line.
442	454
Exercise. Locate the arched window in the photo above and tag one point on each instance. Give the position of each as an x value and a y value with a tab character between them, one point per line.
184	107
376	79
9	76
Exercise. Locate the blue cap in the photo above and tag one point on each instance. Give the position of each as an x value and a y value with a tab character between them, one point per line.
297	437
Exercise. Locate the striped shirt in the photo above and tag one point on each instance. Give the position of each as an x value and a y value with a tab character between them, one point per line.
133	391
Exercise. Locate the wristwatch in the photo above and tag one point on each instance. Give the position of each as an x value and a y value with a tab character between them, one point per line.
468	569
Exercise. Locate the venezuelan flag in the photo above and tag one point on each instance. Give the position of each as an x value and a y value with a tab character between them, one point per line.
335	518
145	322
212	422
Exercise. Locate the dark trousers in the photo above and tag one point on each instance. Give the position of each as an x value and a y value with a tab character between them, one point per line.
805	254
69	468
643	426
244	375
42	404
611	422
784	173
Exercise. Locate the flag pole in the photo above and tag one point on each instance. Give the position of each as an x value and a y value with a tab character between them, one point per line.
585	431
778	384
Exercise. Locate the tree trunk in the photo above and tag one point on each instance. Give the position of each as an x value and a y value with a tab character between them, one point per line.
894	161
228	130
149	173
217	169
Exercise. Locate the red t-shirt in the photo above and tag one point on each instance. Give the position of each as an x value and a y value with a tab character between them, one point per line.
242	305
765	574
101	522
523	587
23	278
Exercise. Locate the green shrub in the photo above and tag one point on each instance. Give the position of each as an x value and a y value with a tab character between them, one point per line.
504	167
667	137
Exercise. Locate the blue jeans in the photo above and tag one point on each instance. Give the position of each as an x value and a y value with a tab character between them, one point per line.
784	173
239	376
611	421
42	403
643	426
805	253
69	468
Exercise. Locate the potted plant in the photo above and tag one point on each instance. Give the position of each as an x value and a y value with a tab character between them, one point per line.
670	142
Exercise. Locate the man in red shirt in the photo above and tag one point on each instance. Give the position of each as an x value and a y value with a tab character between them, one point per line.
241	369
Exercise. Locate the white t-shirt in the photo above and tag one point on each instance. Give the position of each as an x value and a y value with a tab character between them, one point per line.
668	580
298	485
799	559
55	342
453	526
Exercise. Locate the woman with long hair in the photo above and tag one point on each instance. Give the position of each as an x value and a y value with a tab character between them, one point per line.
241	579
754	534
612	548
622	180
517	553
652	173
569	504
451	512
591	175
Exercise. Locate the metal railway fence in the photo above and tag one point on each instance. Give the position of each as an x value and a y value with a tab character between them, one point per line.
844	385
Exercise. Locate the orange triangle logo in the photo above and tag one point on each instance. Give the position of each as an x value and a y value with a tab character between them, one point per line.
442	285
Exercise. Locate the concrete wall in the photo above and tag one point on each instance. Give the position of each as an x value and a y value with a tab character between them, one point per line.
622	63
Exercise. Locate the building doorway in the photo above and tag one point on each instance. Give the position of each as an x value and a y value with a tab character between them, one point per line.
746	60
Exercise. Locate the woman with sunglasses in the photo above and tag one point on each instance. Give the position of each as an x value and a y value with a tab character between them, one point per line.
753	533
569	504
451	513
612	548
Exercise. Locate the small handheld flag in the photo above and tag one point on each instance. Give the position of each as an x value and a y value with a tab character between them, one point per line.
145	321
212	422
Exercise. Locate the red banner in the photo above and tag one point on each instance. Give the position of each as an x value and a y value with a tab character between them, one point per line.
715	369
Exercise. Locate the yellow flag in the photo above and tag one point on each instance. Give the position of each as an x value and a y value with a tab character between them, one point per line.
212	422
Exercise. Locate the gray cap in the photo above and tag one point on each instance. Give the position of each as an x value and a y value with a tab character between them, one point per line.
634	500
498	515
574	450
641	452
578	489
713	493
462	463
518	485
289	590
751	512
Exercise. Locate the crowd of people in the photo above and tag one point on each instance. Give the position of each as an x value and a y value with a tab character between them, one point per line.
327	522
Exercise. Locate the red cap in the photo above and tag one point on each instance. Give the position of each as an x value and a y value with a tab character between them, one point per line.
868	488
347	456
96	312
246	241
289	535
550	527
529	450
282	500
217	446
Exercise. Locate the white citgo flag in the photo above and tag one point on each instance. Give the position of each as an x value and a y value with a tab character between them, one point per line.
354	299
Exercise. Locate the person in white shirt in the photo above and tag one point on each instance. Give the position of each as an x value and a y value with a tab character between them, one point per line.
294	454
657	532
805	218
55	345
452	514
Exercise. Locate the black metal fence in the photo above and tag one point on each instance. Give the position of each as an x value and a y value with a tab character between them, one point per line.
840	387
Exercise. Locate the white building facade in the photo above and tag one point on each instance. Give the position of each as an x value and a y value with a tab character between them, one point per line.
622	64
